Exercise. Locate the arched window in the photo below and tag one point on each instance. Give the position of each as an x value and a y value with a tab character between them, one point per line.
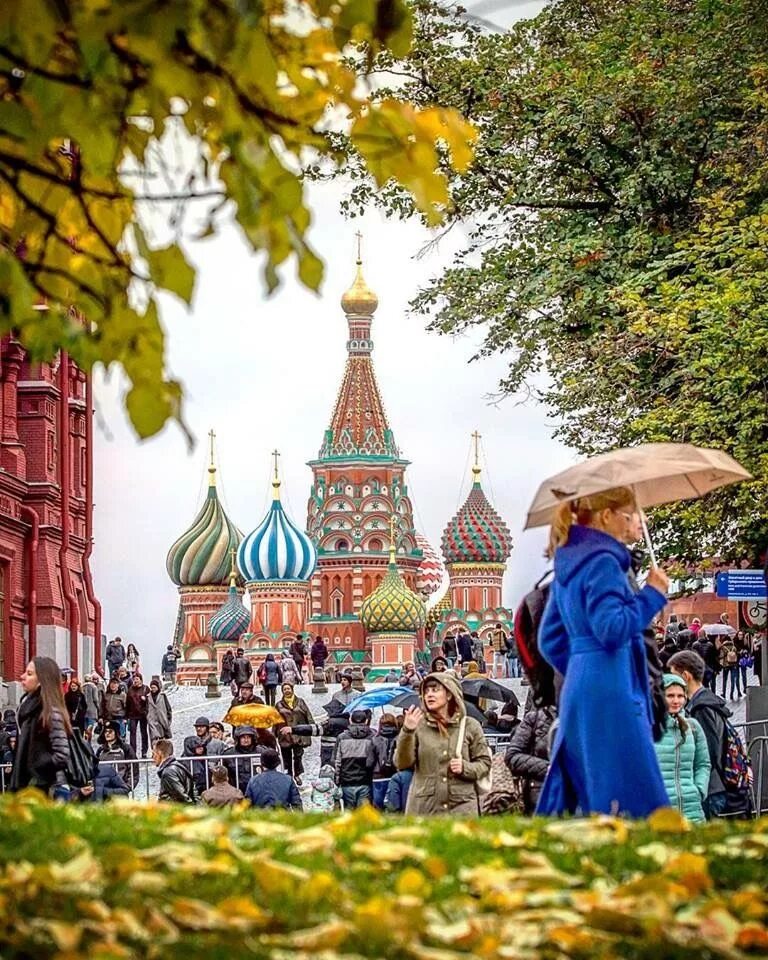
342	545
337	607
485	598
375	545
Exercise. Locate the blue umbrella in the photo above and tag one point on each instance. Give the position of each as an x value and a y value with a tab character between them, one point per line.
379	697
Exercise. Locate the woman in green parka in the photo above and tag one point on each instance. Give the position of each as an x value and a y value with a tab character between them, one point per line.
444	777
683	754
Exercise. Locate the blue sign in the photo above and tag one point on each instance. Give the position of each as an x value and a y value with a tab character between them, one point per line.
741	585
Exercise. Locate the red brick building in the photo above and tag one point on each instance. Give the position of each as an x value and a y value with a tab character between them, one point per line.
48	604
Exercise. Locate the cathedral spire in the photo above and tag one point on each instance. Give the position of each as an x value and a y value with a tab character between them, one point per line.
359	426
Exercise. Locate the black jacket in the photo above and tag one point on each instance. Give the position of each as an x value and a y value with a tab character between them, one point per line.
711	713
176	783
241	766
241	670
137	702
76	706
464	647
355	756
318	654
115	655
384	751
528	754
120	750
708	653
42	755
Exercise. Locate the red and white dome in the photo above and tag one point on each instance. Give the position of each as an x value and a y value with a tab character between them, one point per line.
431	569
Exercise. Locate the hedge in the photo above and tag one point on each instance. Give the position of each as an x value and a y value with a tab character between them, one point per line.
137	880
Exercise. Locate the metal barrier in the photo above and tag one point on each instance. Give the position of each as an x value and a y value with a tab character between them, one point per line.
140	776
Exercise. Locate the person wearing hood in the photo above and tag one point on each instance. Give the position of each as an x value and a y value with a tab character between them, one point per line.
240	761
335	724
711	712
445	748
294	712
592	633
159	713
354	761
683	754
384	744
325	794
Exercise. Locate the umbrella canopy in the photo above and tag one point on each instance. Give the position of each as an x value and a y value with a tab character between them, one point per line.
657	472
379	697
258	715
411	699
719	630
488	690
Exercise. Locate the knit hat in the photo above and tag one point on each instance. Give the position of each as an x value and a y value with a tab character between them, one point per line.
672	679
202	722
327	771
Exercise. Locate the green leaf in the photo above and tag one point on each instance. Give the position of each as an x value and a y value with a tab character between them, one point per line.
171	271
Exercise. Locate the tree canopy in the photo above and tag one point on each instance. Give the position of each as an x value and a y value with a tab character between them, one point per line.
89	88
617	212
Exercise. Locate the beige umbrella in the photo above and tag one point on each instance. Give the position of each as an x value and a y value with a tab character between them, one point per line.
657	472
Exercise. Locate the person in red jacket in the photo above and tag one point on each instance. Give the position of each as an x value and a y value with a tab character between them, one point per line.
136	710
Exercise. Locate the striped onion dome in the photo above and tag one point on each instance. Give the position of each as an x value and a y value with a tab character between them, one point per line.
231	620
477	534
431	569
277	549
392	607
201	555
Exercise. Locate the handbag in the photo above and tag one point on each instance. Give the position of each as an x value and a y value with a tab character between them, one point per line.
83	765
483	785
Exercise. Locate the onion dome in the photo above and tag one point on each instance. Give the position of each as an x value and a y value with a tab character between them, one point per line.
231	620
277	549
435	613
200	557
359	300
476	534
392	607
431	570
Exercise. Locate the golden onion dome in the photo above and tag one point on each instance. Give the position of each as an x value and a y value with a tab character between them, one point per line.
392	607
359	300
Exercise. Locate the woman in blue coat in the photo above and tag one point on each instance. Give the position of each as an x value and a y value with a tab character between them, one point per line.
603	760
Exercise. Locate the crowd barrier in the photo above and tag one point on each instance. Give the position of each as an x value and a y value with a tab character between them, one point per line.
141	775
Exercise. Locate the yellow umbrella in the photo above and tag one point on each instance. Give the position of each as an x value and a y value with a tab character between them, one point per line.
656	472
258	715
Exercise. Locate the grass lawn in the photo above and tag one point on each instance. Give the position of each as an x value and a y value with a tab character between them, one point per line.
136	880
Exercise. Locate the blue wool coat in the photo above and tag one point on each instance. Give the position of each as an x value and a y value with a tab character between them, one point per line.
603	759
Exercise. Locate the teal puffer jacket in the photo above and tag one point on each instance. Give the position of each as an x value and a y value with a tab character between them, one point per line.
685	767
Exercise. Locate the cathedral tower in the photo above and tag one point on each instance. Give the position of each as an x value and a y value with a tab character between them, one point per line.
359	483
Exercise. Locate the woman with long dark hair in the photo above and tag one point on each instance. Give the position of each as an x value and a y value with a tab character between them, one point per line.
683	754
132	659
74	700
42	750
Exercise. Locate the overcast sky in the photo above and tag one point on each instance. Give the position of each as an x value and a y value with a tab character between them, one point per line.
264	373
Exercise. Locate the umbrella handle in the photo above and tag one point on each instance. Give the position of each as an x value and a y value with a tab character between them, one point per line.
647	537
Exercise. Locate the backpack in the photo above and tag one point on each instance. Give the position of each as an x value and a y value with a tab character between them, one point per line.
731	655
528	617
261	676
737	768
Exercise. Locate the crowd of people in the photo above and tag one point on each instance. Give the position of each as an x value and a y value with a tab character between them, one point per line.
632	725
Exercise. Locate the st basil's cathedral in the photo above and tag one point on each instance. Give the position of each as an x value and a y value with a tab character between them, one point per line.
358	573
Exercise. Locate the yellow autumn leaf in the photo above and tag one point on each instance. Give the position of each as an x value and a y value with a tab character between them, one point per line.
65	935
594	832
81	874
279	879
373	847
329	936
312	840
412	882
197	915
243	912
692	870
667	820
147	882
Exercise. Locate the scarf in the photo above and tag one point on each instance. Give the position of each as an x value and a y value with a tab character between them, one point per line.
289	699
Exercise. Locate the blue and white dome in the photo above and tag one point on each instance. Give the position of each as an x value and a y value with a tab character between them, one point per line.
276	549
